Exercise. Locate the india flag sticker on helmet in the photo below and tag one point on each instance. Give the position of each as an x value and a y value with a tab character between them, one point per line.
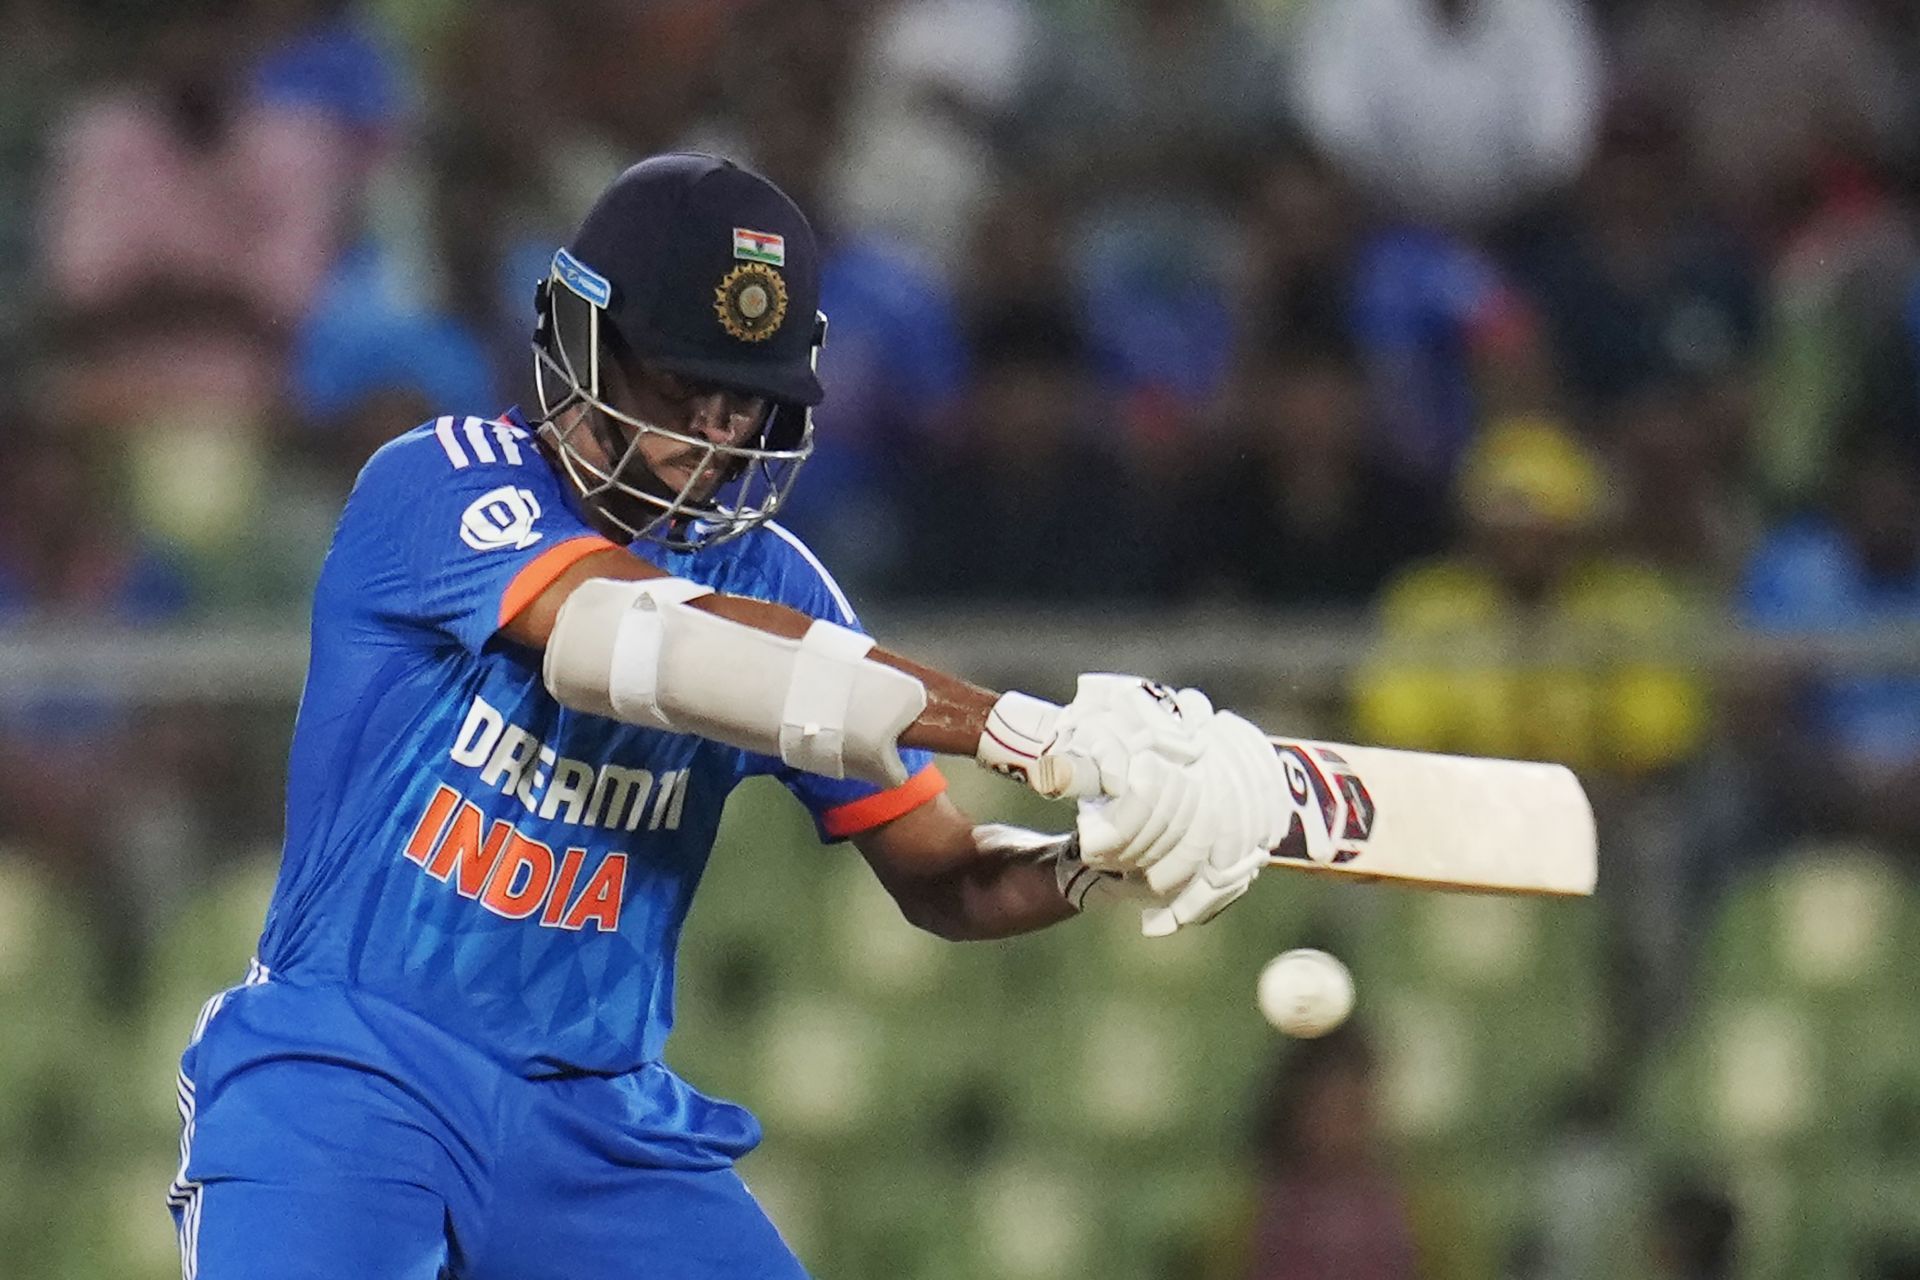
760	246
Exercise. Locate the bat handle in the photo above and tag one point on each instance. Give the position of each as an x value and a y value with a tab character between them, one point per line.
1065	777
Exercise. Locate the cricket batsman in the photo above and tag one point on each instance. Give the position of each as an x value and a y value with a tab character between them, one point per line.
543	652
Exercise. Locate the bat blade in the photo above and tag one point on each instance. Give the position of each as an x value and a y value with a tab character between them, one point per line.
1456	822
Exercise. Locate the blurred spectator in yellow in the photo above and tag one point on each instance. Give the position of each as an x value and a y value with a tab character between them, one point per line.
1329	1206
1457	111
1531	640
186	223
1841	750
1312	513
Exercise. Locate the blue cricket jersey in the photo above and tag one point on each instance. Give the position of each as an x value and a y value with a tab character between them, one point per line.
458	843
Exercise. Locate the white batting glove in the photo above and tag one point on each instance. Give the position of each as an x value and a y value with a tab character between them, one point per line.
1081	749
1128	741
1020	729
1081	885
1252	800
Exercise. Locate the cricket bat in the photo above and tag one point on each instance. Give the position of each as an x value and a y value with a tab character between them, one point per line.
1439	821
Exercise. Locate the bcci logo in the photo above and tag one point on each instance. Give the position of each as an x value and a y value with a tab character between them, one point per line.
751	302
501	518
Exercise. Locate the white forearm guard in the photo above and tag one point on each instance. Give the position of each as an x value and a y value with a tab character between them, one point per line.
637	652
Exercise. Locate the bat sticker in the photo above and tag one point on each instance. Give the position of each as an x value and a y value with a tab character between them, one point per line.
1345	804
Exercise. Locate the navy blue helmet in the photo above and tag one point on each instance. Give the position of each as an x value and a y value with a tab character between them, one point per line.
698	268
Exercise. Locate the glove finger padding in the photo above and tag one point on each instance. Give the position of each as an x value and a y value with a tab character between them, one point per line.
1246	790
1194	706
1176	813
1139	714
1189	851
1227	874
1081	885
1142	825
1198	903
1115	744
1236	807
1269	799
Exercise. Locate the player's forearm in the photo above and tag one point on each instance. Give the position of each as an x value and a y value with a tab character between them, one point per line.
988	901
959	881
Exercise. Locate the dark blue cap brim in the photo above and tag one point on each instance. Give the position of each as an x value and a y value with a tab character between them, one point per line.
788	385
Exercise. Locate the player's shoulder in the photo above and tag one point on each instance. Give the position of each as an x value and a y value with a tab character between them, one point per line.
451	445
791	573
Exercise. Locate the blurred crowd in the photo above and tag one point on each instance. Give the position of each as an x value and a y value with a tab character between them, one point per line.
1547	336
1571	329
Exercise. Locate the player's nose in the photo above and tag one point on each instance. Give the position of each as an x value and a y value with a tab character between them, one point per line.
717	418
710	423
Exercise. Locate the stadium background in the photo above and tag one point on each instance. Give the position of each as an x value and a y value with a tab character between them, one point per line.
1511	376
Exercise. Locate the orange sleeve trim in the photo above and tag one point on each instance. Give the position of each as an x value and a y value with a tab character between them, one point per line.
882	807
538	573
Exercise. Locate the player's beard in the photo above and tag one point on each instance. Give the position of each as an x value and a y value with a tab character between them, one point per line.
624	446
705	472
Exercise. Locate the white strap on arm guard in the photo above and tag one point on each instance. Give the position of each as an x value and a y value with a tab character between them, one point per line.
636	651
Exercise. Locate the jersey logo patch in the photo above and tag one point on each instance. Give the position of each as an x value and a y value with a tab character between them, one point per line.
501	518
